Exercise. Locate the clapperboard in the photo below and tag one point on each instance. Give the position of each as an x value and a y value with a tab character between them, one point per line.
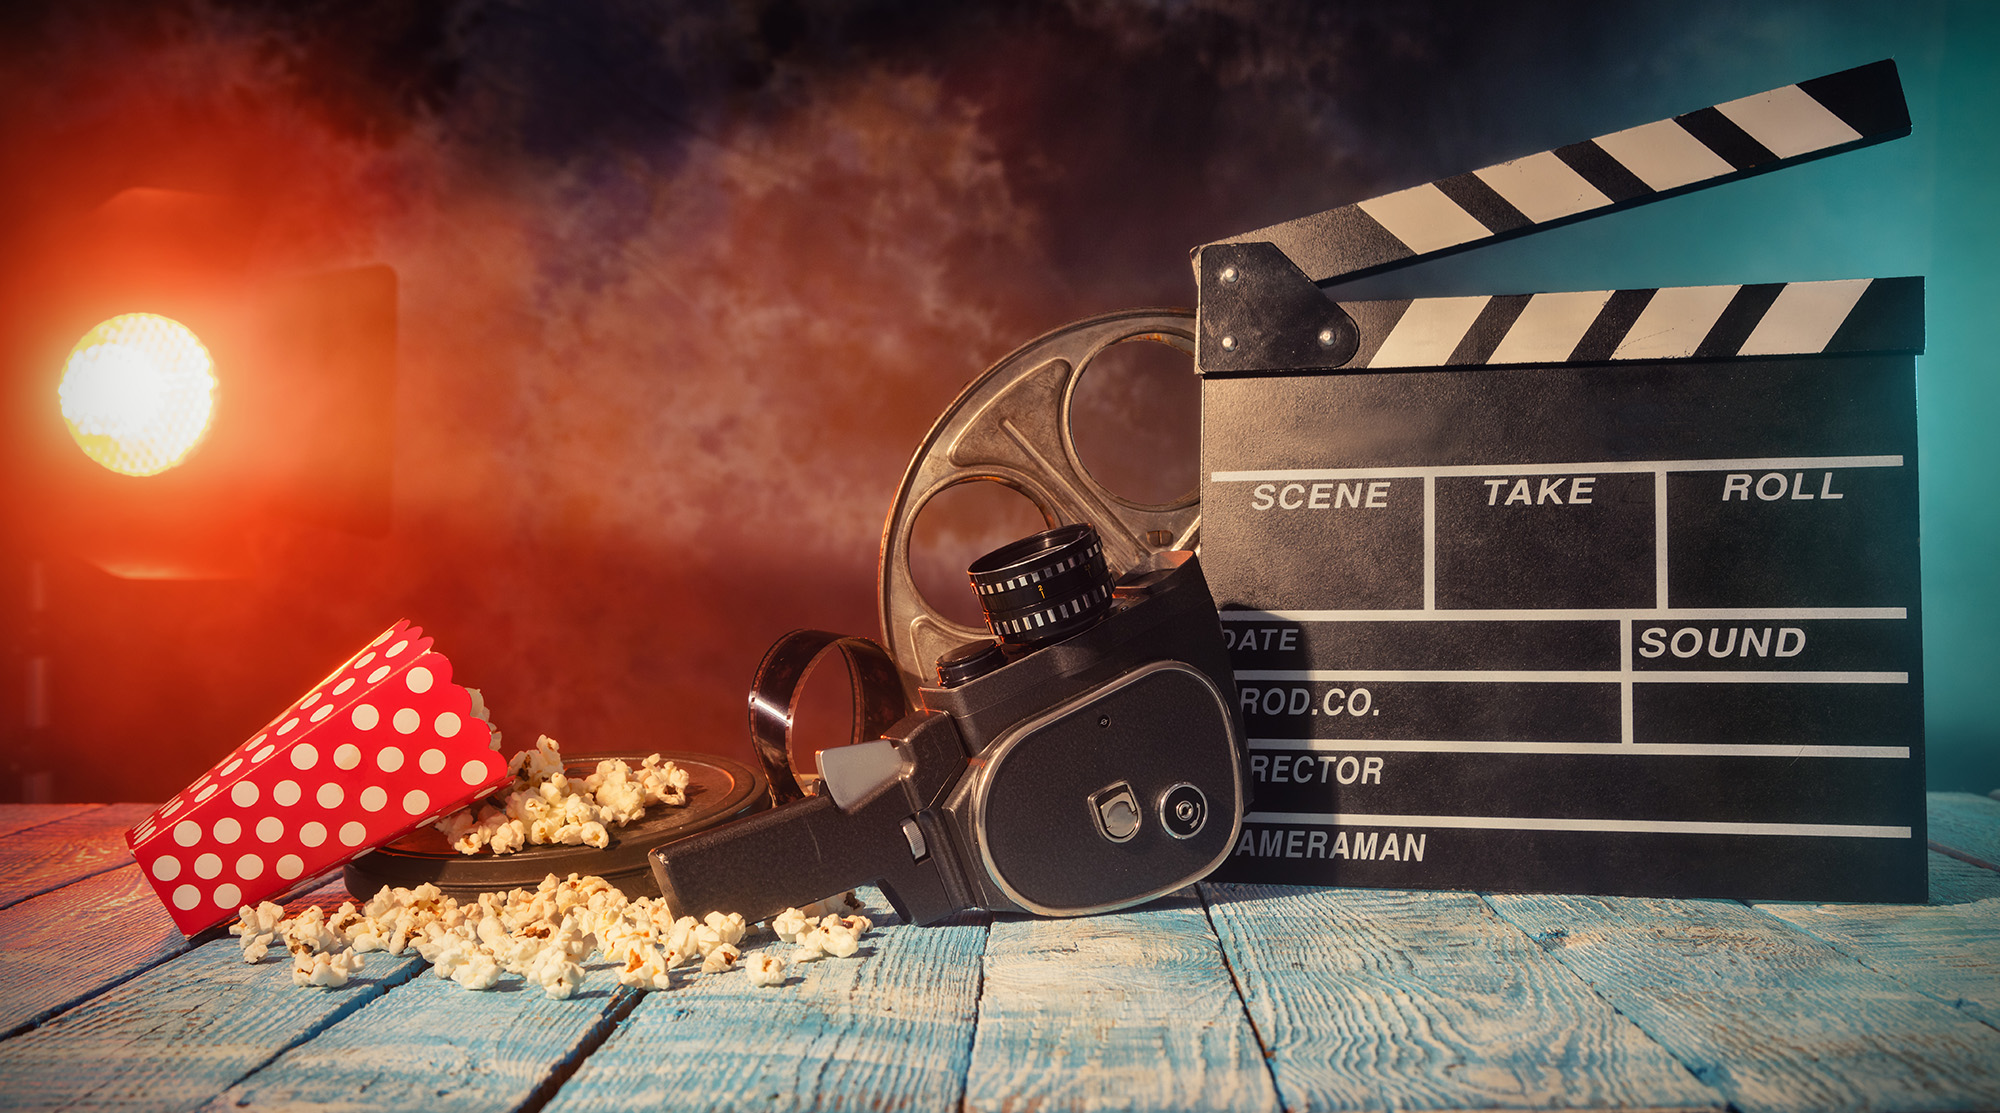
1606	591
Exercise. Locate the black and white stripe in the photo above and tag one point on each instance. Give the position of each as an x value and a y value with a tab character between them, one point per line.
1747	136
1673	322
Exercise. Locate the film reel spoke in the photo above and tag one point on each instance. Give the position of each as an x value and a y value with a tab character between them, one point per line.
1011	426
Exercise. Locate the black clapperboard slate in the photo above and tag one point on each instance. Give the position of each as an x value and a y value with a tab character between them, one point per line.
1608	591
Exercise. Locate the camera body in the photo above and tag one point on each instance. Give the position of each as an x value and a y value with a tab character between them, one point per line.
1092	773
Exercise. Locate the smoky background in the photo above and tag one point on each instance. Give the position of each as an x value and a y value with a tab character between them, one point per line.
681	286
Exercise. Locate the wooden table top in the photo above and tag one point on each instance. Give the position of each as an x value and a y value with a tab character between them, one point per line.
1221	997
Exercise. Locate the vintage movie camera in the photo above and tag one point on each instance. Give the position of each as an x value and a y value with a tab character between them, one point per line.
1085	757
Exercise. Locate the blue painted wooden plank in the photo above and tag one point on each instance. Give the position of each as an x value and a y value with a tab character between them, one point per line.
889	1029
1954	881
1374	999
21	817
430	1045
1133	1010
62	947
1966	826
1950	953
1773	1018
51	855
177	1035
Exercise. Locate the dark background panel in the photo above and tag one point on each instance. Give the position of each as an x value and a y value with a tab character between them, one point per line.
1425	645
1547	554
1732	866
1856	551
1620	786
1409	710
1801	714
1367	558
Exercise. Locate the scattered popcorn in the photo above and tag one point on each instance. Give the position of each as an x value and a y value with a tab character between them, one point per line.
547	807
545	936
724	957
791	923
766	969
325	969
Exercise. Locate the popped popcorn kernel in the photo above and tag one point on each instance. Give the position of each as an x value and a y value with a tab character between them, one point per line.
765	969
331	970
725	956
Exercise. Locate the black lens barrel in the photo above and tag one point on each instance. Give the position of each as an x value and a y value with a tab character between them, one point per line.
1044	588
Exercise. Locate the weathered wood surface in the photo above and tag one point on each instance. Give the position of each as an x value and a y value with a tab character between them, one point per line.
430	1045
1966	826
1954	881
51	855
180	1033
20	817
63	947
1373	999
888	1029
1949	950
1361	999
1133	1010
1770	1016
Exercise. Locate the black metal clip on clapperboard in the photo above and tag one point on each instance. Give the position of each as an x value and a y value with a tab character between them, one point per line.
1610	591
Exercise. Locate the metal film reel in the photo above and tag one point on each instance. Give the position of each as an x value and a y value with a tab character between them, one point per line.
1012	426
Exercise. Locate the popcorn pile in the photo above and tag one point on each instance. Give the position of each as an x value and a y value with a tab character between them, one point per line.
544	936
548	807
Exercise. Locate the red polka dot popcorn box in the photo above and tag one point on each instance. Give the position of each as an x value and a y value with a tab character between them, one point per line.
385	743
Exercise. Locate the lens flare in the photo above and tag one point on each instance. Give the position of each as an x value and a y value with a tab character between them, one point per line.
137	392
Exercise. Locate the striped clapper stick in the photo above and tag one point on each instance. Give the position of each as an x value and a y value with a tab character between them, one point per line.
1605	591
1768	131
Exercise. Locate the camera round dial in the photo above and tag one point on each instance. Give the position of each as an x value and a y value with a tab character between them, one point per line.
1183	810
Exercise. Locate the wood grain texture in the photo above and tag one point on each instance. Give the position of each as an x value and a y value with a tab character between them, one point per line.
62	947
1773	1018
1377	999
21	817
1966	826
431	1045
51	855
1950	953
1958	882
888	1029
180	1033
1132	1010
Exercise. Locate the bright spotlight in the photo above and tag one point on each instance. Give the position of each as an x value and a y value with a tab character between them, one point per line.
137	392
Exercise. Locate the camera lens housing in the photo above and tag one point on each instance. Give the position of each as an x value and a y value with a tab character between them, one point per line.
1044	588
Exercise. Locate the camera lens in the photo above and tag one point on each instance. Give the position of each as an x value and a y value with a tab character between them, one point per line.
1044	588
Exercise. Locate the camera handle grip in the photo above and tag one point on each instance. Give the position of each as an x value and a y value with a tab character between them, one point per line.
803	851
877	690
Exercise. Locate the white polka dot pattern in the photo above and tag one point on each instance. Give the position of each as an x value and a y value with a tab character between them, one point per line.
385	742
